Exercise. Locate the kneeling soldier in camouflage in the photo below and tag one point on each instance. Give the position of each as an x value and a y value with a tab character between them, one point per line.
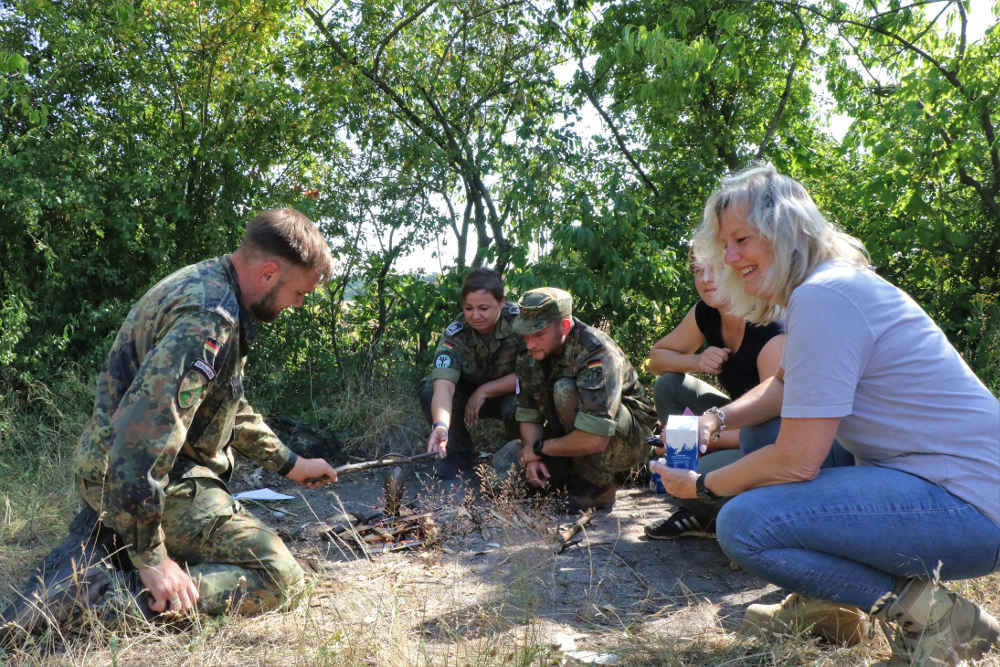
583	415
160	529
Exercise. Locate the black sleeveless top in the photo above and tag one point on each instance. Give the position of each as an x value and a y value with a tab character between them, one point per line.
739	373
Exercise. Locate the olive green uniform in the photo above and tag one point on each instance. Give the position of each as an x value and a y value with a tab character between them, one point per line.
588	385
168	414
469	359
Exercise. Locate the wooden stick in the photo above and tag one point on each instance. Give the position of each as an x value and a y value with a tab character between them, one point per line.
567	533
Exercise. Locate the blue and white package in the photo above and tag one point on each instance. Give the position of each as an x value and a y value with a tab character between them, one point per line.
682	441
655	482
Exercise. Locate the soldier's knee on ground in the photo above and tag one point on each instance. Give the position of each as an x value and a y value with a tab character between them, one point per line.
288	576
288	582
282	573
566	398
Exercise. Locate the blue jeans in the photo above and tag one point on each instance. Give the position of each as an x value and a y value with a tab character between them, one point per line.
848	534
752	438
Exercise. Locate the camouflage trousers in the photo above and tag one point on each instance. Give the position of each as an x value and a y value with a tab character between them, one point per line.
625	453
459	438
239	564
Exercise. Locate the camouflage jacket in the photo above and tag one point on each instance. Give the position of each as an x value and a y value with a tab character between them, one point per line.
604	379
463	354
169	403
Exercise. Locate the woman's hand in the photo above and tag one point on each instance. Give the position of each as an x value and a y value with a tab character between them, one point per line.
708	430
711	359
678	482
437	442
474	405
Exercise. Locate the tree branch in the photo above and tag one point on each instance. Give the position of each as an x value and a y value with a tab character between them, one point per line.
772	126
396	30
951	77
407	113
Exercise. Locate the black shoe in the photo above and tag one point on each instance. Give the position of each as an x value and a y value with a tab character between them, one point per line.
454	463
681	523
73	575
55	604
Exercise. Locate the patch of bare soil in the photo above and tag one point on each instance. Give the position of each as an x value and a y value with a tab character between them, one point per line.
497	564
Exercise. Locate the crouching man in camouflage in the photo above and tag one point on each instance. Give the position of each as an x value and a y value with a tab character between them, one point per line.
583	415
160	527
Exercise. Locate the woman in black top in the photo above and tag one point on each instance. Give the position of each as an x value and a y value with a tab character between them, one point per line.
711	341
742	355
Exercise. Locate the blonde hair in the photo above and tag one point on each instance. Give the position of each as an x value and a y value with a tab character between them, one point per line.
784	215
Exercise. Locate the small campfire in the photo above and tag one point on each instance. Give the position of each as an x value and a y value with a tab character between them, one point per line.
398	527
406	530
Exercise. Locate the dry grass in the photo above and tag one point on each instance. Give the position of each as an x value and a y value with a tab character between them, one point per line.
425	608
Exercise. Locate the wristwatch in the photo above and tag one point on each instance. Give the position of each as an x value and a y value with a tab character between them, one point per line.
537	447
703	491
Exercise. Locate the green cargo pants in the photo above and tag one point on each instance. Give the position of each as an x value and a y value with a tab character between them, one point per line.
238	563
626	451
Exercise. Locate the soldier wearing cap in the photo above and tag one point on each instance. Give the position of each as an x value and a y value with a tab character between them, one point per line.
152	464
583	415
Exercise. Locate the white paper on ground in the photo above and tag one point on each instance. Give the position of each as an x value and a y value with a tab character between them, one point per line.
262	494
592	658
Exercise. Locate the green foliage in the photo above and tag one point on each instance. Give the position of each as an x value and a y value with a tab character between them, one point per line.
982	341
925	156
137	138
40	424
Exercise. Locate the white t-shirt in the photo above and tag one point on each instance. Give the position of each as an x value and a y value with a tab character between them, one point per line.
861	349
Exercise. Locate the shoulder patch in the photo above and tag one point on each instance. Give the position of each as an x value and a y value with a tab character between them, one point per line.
205	369
454	328
593	373
211	349
512	308
192	384
442	361
228	308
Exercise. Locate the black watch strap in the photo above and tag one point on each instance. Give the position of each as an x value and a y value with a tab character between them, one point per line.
537	447
703	491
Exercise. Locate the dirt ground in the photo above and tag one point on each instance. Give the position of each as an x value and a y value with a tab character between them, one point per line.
610	579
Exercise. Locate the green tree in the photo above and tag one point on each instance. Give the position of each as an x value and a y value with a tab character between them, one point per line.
140	137
924	99
451	78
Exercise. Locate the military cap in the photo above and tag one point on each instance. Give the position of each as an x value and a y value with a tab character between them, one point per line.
540	307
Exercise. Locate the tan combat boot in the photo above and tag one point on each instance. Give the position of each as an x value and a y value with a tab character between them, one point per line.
839	623
937	626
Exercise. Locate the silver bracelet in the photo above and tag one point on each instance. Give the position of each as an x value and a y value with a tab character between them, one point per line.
720	416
